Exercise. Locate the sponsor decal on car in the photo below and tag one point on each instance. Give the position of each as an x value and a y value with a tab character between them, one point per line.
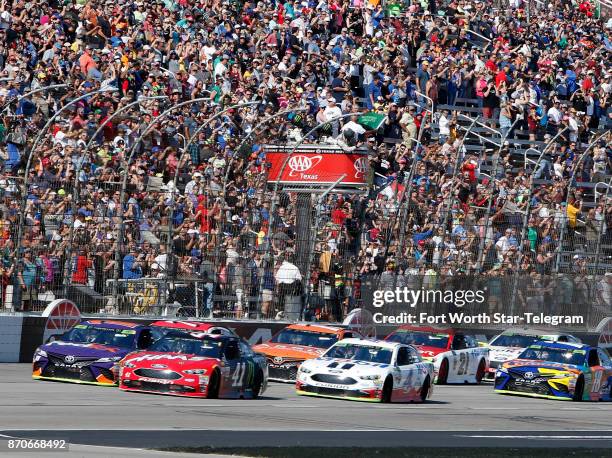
354	362
156	380
167	357
329	385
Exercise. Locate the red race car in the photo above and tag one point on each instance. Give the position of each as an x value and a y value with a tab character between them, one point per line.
457	357
196	364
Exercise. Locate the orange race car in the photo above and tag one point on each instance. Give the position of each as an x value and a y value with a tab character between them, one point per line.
286	350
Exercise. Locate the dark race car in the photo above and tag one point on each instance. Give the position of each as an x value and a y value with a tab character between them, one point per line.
196	364
89	351
161	328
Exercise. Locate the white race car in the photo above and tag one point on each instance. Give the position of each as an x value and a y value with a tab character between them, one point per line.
367	370
457	357
510	344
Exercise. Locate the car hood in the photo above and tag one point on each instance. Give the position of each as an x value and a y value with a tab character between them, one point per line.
84	350
155	360
429	352
345	367
502	354
288	350
526	365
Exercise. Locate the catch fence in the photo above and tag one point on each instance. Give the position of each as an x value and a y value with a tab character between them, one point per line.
206	239
231	268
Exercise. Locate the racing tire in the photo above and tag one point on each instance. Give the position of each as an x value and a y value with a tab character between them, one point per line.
213	387
579	391
257	382
443	372
387	391
425	389
480	372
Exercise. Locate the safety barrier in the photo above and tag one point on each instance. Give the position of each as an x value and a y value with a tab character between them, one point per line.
190	243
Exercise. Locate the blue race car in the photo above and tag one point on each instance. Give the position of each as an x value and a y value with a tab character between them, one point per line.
89	351
554	370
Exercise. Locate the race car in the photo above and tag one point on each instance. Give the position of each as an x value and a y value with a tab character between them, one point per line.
367	370
196	364
160	328
88	352
457	357
296	343
555	370
511	343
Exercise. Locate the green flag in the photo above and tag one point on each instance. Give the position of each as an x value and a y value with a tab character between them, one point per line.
372	120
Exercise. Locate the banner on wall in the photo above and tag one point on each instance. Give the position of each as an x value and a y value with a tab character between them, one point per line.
317	164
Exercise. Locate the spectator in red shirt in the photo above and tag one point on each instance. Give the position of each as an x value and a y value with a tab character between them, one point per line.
338	216
501	76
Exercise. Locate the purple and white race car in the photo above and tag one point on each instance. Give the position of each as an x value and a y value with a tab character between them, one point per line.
89	351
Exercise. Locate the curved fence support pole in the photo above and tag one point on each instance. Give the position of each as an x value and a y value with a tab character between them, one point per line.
277	185
526	217
481	245
449	203
77	187
408	191
526	159
184	153
27	94
311	248
255	129
404	204
37	139
402	208
120	212
572	183
194	137
601	228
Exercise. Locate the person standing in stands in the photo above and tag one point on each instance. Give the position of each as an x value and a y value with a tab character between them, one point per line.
27	280
288	280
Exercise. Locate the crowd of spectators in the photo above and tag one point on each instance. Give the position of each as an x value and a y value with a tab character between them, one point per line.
430	210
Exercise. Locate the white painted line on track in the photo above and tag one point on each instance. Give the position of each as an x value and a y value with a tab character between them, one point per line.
546	437
207	430
459	433
494	408
583	410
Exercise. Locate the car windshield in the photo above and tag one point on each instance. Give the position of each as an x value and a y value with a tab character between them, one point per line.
357	352
83	333
305	338
515	340
410	337
554	355
188	346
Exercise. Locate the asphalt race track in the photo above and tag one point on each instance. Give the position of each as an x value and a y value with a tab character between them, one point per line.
468	416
